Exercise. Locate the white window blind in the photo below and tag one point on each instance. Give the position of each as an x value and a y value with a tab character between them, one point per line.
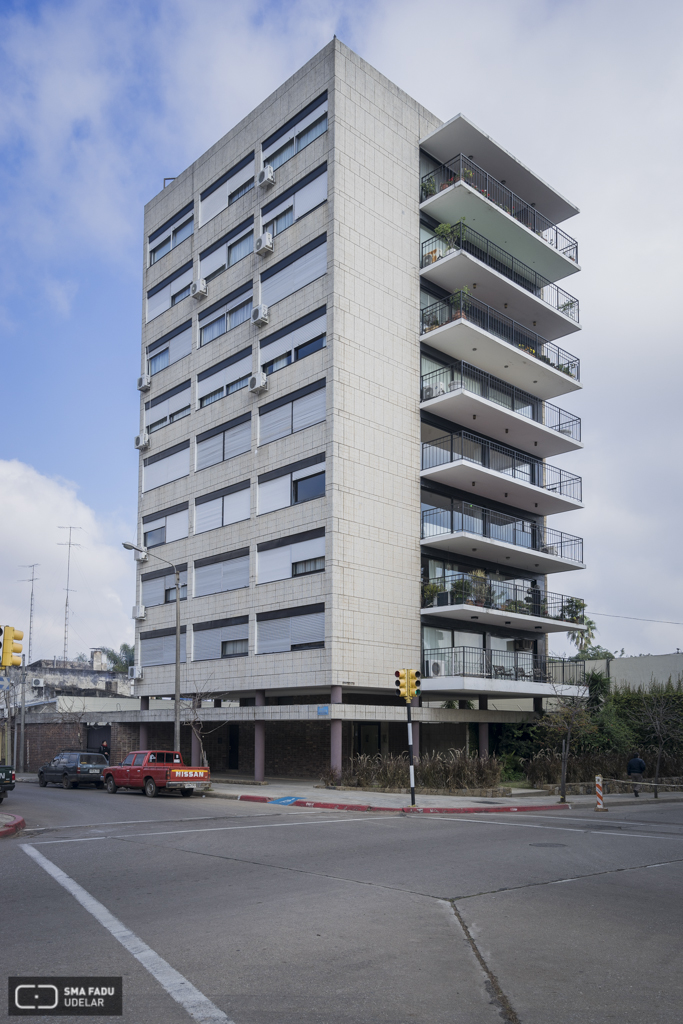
237	440
208	515
307	629
310	196
160	650
210	451
158	303
308	549
308	410
208	642
294	276
180	346
215	260
277	423
274	494
236	507
217	200
176	526
273	636
153	592
292	340
173	467
232	574
165	409
297	129
274	564
224	377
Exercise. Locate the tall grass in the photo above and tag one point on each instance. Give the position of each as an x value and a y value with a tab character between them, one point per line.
546	765
453	770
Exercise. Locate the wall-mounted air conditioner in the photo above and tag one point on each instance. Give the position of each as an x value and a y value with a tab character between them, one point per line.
135	672
144	382
259	315
436	667
199	289
264	244
142	441
138	611
258	383
266	177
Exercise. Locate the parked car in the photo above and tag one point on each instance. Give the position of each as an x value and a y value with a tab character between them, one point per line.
7	779
73	768
155	770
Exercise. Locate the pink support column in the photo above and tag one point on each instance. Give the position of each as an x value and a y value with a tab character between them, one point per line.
144	736
196	756
415	703
336	734
260	740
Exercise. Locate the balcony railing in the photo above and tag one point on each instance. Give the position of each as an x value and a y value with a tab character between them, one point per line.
512	665
466	239
470	448
462	376
457	588
461	306
484	522
461	168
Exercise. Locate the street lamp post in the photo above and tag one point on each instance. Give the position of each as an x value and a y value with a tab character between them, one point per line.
176	726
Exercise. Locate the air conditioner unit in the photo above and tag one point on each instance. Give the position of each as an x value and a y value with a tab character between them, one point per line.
439	389
135	672
427	393
549	549
142	441
144	382
138	611
199	289
259	315
524	645
258	383
264	244
140	556
436	668
266	176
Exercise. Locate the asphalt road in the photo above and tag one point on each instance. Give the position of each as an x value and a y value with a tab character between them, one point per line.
264	914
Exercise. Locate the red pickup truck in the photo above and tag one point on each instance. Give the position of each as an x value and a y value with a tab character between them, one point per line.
153	770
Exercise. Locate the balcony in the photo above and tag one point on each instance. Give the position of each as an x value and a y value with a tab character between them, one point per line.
461	392
469	529
511	673
461	324
464	258
467	597
460	189
468	462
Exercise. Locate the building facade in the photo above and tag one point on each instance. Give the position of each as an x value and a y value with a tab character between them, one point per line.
349	339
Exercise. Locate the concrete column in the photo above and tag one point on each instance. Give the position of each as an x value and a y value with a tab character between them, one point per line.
196	755
260	740
336	733
144	735
538	705
483	729
415	703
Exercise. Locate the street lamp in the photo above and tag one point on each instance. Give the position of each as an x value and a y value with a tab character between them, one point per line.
144	551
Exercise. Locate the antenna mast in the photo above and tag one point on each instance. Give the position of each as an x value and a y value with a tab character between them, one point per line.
67	544
32	581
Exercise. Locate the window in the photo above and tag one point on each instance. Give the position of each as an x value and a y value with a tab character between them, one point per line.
180	414
219	573
169	292
227	189
234	648
292	629
213	396
282	155
168	407
223	442
238	250
222	508
296	341
160	250
309	348
295	271
241	191
165	526
225	315
278	364
180	295
166	466
296	555
283	487
159	362
170	348
293	412
168	235
299	142
128	759
212	330
158	587
279	223
157	647
138	759
307	488
222	638
227	250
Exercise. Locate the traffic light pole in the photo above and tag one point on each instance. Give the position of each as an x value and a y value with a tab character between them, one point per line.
410	754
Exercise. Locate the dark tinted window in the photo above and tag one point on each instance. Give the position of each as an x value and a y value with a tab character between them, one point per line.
129	759
139	758
93	759
309	347
309	487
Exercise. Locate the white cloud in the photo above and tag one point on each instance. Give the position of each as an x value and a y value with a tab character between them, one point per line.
32	508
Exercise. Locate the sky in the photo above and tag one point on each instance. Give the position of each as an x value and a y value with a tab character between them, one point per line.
101	99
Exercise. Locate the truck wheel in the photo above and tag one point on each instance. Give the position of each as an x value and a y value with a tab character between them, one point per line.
111	785
150	787
187	792
66	782
42	781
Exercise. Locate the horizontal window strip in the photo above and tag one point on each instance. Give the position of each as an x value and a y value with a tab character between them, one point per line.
182	507
295	538
291	397
158	573
169	223
223	427
293	121
293	257
293	189
226	556
171	334
224	363
231	489
242	290
290	613
152	634
226	238
294	326
168	394
313	460
238	620
228	174
166	454
171	277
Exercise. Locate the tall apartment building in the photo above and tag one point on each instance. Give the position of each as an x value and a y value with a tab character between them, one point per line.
349	343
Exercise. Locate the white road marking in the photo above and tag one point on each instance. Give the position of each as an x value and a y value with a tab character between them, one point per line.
179	988
143	821
552	828
613	821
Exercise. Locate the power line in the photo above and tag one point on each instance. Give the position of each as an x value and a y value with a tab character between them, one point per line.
636	618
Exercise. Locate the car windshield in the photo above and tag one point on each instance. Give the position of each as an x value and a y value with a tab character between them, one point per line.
93	759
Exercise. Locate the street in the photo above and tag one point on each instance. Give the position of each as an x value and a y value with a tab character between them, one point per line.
278	915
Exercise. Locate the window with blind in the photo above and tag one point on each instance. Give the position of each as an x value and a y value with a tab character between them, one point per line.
165	526
292	484
225	378
295	341
222	638
298	555
226	314
227	189
158	587
169	292
166	466
219	573
291	629
168	407
223	507
295	271
223	442
298	200
227	250
171	233
169	348
297	133
292	412
157	647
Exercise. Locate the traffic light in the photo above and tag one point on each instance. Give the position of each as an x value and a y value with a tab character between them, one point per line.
414	688
402	683
11	649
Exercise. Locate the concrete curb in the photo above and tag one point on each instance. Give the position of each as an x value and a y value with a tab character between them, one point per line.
320	805
10	827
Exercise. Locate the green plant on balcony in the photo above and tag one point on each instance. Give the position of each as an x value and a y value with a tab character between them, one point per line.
568	307
480	588
428	188
573	610
450	234
461	589
458	303
429	592
430	322
516	607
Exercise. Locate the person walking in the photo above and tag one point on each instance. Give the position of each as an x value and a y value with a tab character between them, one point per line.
636	767
104	749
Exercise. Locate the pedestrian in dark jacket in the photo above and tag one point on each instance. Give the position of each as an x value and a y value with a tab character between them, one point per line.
636	767
104	749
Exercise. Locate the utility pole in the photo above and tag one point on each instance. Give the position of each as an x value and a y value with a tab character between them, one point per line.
32	581
67	544
408	686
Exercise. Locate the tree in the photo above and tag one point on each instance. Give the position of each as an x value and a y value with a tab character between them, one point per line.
658	718
582	638
123	660
571	717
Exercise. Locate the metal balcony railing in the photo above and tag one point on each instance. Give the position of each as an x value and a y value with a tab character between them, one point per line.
461	168
462	376
460	237
513	665
484	522
470	448
461	306
456	588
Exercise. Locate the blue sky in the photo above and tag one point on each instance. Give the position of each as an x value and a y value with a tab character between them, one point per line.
101	100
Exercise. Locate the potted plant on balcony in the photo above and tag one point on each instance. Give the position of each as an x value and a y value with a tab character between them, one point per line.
573	610
481	591
461	590
429	592
430	322
458	303
428	188
447	183
450	235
